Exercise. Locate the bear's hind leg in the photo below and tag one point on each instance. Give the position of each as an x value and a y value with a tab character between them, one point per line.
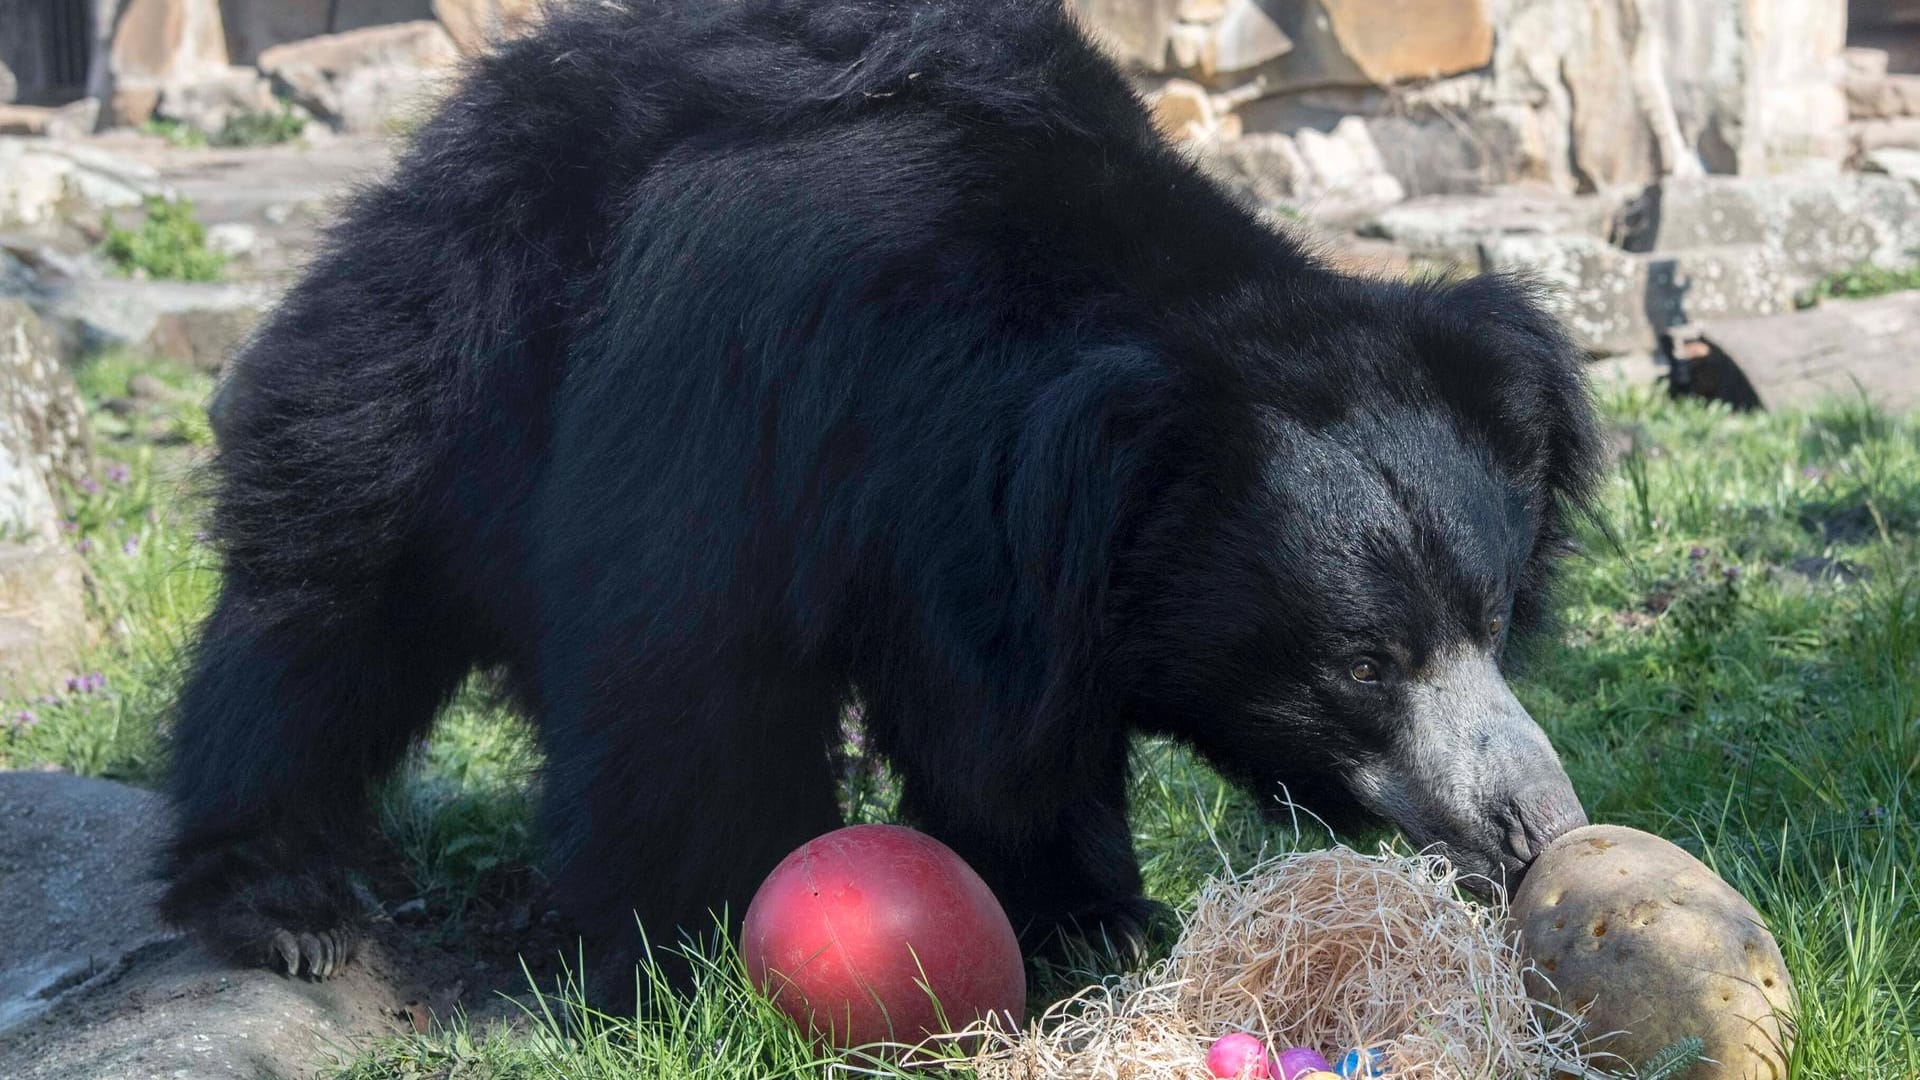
292	710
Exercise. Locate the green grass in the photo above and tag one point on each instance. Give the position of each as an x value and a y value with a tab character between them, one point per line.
1738	668
1860	282
281	125
268	128
169	242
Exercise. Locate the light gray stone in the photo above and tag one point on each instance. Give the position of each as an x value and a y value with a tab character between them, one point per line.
186	320
1246	37
42	180
44	445
1616	302
44	449
1136	32
1895	162
1454	226
1841	349
1264	168
1810	225
208	103
9	86
364	81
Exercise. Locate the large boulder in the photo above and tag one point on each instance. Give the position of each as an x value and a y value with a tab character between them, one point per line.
364	81
198	323
160	43
475	25
1616	302
209	103
1585	95
44	450
1136	32
1349	43
1811	225
43	180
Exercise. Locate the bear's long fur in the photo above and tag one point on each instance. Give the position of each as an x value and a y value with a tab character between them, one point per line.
703	365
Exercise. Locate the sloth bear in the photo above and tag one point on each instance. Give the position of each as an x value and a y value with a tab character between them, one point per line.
707	366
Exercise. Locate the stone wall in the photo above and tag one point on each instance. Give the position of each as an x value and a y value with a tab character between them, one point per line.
1460	95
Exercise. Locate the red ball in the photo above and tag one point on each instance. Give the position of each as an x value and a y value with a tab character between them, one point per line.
851	932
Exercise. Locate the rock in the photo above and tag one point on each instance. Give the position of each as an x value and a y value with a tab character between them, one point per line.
1895	162
1202	11
1179	106
1812	225
1453	227
1344	167
9	86
208	103
1264	168
363	81
1877	14
1615	301
1839	349
476	24
1245	37
1135	32
42	180
162	43
44	442
24	119
44	632
195	322
70	121
202	338
1350	43
75	867
91	986
1899	133
233	238
44	449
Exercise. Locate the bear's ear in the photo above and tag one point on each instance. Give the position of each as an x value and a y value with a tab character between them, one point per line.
1505	364
1508	367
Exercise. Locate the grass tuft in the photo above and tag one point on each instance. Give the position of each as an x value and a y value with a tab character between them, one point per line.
1737	668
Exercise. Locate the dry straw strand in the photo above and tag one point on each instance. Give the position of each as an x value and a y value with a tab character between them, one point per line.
1329	949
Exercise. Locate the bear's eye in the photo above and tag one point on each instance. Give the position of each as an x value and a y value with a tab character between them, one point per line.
1495	625
1364	671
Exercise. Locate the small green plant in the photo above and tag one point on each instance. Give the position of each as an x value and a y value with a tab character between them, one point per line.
1860	282
272	128
174	132
169	243
1674	1060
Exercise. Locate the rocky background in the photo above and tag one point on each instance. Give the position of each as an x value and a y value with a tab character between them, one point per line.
1692	180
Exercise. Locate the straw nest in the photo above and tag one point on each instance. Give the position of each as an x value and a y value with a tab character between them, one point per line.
1328	949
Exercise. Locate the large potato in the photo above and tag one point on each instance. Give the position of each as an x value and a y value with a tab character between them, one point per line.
1651	946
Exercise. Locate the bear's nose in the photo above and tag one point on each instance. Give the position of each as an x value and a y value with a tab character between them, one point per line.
1534	819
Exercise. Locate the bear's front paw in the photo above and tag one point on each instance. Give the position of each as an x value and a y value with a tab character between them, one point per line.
1129	929
308	921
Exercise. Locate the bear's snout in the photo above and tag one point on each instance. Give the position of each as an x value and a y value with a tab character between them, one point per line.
1534	819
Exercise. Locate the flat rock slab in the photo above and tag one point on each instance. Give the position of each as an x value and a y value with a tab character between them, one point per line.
92	986
1842	348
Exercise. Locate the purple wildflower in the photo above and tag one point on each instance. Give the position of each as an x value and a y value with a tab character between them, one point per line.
94	682
23	719
130	545
70	525
84	547
118	473
89	485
